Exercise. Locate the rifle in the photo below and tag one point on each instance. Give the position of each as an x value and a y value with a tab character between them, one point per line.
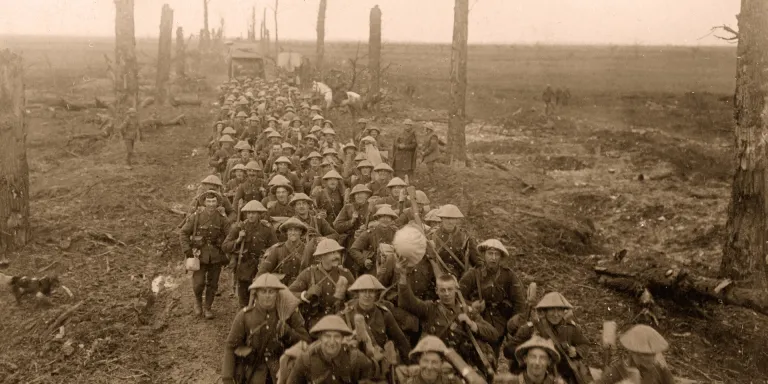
580	372
361	331
235	280
478	350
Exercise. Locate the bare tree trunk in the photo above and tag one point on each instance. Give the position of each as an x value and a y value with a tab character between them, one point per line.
264	33
126	66
181	53
252	30
374	53
14	171
745	249
205	36
164	54
320	48
277	39
457	141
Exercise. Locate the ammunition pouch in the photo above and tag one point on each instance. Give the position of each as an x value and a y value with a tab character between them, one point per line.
197	241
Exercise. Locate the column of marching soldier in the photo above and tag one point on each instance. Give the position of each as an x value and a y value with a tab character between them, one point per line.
344	274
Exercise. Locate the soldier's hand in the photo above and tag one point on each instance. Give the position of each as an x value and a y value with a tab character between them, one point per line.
368	263
572	351
314	291
355	215
221	210
478	306
322	214
464	318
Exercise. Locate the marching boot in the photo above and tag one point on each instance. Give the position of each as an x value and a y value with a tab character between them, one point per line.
198	306
209	295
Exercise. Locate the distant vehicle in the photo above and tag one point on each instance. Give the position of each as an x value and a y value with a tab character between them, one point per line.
245	59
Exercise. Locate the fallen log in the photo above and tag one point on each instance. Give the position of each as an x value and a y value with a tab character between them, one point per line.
175	101
680	282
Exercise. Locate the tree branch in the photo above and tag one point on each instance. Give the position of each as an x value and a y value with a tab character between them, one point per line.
734	34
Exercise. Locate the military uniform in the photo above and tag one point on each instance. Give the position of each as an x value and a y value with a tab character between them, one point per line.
219	159
295	182
129	129
330	200
367	247
284	258
379	188
250	189
278	209
258	329
501	290
440	320
382	326
404	154
325	303
318	227
308	179
565	331
350	366
455	245
346	225
258	238
208	230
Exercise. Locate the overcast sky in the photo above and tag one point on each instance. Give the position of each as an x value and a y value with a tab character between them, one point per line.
679	22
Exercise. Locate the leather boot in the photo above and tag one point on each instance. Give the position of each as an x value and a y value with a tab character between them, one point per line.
198	306
208	313
209	295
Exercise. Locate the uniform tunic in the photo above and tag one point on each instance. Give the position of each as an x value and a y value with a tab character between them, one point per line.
566	332
367	247
501	290
350	366
250	189
325	303
258	238
257	328
308	179
404	159
331	201
279	209
379	188
382	326
284	258
346	225
617	372
452	245
211	229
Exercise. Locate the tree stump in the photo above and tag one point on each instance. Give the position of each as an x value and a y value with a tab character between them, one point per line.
164	54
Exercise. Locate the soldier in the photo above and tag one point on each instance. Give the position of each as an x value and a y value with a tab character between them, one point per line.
316	224
310	145
496	291
362	127
350	153
239	124
313	173
283	167
259	335
379	322
363	174
330	198
549	322
280	207
253	186
329	137
429	353
353	215
323	286
289	151
407	216
432	221
245	154
249	239
286	259
330	361
252	131
404	152
431	153
539	357
645	346
549	98
213	183
238	171
129	129
365	249
447	319
396	194
202	236
383	175
218	160
453	244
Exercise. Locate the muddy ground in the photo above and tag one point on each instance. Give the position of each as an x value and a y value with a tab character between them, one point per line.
586	204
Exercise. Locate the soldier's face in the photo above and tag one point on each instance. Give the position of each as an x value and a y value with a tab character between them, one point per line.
431	365
365	171
555	315
361	198
331	260
446	291
245	154
395	192
536	362
383	175
330	343
361	126
492	257
332	183
449	224
266	297
314	162
373	134
385	220
252	217
287	152
301	207
293	234
281	194
367	298
239	174
272	124
253	173
211	203
282	167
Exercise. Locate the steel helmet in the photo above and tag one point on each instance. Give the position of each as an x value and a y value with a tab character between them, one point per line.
429	343
253	166
365	164
431	217
317	117
315	108
362	120
368	139
267	280
383	167
314	129
360	156
300	197
271	118
253	206
421	198
213	180
396	182
278	179
326	121
349	145
242	114
274	134
226	139
228	131
326	246
328	130
330	151
331	323
243	145
450	211
386	210
310	136
536	341
360	188
643	339
553	300
288	146
238	167
492	244
314	155
366	282
292	222
284	160
332	174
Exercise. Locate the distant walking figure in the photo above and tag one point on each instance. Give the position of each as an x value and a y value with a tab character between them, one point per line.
549	99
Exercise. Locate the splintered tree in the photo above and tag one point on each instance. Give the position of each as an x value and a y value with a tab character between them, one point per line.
264	33
181	53
14	171
252	26
744	251
320	48
457	140
126	67
205	34
277	39
164	54
374	52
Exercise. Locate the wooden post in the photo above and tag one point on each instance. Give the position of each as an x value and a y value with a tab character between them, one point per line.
126	66
277	40
164	54
374	52
181	53
14	171
744	251
457	141
320	48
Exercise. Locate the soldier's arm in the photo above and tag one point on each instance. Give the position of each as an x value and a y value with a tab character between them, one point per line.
486	331
397	336
409	302
186	232
522	335
228	210
356	251
474	256
327	231
301	283
295	331
300	372
403	219
410	143
516	294
229	244
363	366
269	261
272	237
579	341
344	222
236	337
467	283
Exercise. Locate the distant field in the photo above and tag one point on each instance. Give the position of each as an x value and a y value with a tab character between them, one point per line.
498	74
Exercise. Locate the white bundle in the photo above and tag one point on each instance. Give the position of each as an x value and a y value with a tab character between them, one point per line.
411	244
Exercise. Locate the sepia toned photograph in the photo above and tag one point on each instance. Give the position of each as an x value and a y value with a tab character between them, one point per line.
384	192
